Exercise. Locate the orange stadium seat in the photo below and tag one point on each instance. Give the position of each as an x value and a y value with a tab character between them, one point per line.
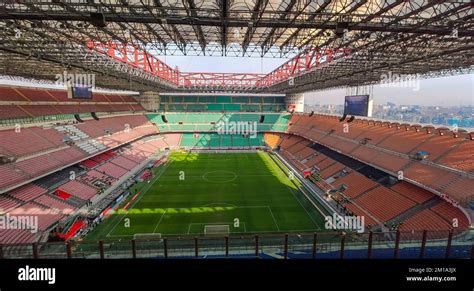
356	184
376	200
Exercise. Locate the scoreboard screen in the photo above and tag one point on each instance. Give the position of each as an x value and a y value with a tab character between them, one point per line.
81	92
360	105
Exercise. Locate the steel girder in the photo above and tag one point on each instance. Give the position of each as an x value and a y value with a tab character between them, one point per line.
410	37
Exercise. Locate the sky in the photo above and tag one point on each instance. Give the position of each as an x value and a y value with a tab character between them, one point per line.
446	91
223	64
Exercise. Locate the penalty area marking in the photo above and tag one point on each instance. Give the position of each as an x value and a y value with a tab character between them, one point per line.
159	221
245	228
220	204
231	225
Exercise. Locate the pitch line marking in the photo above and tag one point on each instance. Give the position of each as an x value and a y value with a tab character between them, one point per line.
159	221
232	176
214	223
291	190
139	198
274	220
295	231
294	196
217	203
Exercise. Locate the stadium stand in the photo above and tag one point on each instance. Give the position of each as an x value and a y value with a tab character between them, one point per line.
36	106
172	103
386	146
356	184
46	216
53	203
7	204
42	150
273	140
92	176
78	189
451	214
461	157
16	236
204	140
111	170
27	192
426	220
27	141
124	163
366	195
376	200
208	121
391	147
412	192
73	161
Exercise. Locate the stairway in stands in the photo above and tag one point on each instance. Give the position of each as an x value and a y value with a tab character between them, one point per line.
414	210
73	132
91	146
81	139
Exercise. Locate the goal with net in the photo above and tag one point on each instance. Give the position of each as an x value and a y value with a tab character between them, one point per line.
221	229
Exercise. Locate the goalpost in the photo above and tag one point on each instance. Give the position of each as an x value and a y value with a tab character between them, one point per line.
216	229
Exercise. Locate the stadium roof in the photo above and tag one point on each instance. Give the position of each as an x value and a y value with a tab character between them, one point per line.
331	43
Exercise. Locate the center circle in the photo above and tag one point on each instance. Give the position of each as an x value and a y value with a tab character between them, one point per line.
219	176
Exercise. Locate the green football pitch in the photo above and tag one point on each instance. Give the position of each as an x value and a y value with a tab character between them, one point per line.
240	192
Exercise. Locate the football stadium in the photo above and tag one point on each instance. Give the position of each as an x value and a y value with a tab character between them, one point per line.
107	151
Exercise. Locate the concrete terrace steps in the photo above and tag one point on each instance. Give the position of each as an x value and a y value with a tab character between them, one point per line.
73	132
91	146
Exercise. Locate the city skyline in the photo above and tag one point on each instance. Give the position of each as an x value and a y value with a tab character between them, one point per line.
444	91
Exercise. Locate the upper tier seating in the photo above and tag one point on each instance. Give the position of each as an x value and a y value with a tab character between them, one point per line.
10	175
11	94
222	103
16	236
452	215
46	216
48	162
356	183
29	140
195	122
35	94
7	204
376	201
412	192
393	148
36	106
206	140
426	220
460	157
53	203
27	192
366	197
